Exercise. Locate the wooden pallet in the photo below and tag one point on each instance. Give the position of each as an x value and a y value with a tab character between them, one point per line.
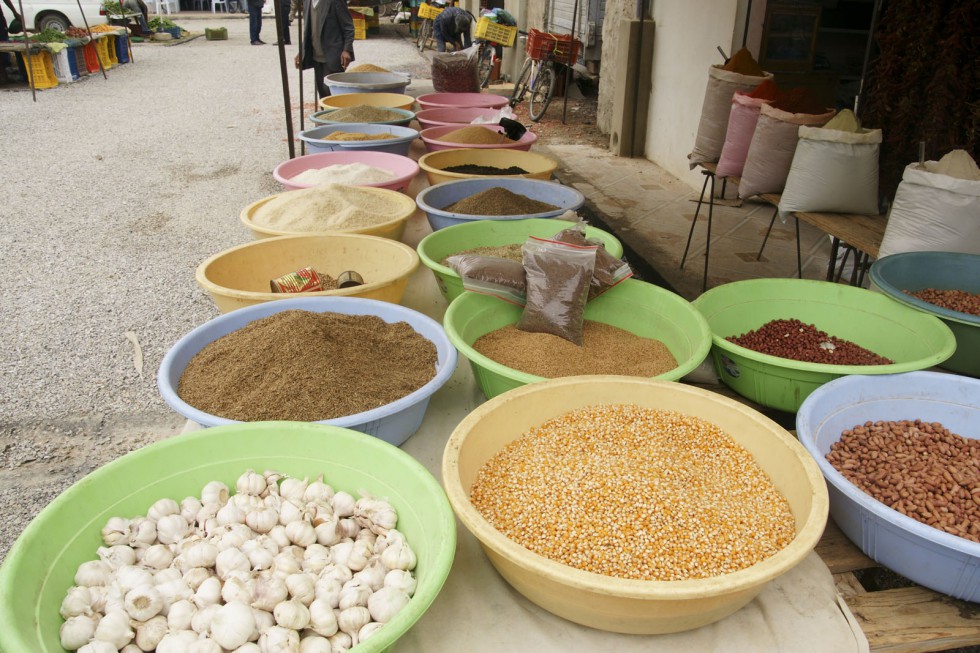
901	620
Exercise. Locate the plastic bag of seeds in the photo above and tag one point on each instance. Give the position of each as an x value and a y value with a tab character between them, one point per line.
456	72
608	271
491	275
558	277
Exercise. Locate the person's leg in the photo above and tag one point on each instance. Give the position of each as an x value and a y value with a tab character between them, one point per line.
254	22
284	19
319	72
467	42
439	37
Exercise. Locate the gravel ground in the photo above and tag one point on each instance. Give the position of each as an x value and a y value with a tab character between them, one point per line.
120	188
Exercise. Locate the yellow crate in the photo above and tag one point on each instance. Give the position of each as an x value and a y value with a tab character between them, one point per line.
428	11
41	69
490	31
360	29
106	54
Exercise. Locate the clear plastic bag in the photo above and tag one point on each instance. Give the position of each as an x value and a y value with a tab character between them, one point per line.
491	275
608	270
558	278
456	72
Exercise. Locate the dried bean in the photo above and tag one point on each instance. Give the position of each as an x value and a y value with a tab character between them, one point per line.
795	340
953	300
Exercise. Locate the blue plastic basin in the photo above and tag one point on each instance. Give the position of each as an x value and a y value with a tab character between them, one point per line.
434	199
367	82
400	144
394	423
926	555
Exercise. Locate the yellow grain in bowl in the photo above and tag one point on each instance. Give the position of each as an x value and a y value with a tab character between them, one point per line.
357	136
474	135
366	68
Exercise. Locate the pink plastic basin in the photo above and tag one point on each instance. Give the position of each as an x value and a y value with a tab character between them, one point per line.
403	167
452	116
463	100
433	141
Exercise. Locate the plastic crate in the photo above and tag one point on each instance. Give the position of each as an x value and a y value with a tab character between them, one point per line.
429	11
122	48
216	33
40	70
106	55
488	30
360	29
81	66
559	47
62	68
91	56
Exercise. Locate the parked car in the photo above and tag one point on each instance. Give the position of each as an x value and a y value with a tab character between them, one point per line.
58	14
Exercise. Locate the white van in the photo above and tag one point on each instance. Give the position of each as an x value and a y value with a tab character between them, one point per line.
57	14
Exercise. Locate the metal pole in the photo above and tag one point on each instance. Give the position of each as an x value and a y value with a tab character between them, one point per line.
568	68
27	50
302	108
745	32
89	30
277	12
867	56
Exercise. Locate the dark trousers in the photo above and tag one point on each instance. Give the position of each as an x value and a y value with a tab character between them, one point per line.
254	21
319	72
284	19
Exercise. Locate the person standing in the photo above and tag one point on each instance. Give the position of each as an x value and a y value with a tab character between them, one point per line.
286	20
328	40
452	25
255	21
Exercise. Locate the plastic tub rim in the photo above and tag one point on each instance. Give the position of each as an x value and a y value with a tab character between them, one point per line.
896	293
825	368
476	358
423	196
499	100
401	181
528	139
425	165
354	145
202	279
851	491
317	118
782	561
246	218
442	374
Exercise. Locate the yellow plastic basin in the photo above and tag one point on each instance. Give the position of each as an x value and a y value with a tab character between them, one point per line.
537	165
240	276
388	100
617	604
393	228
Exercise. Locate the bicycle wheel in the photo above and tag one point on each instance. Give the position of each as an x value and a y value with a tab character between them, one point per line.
425	33
543	89
486	63
520	86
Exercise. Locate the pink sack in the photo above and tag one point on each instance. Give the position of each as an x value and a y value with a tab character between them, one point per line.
741	126
771	150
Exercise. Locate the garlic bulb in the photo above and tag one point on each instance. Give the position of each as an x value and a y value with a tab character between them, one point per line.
262	520
127	578
279	640
189	508
263	621
166	576
248	502
398	554
285	564
293	489
314	644
316	557
143	532
179	615
268	590
95	646
208	510
290	512
258	555
92	573
236	589
215	492
171	528
401	579
377	515
318	491
201	621
360	553
162	508
291	614
230	514
143	603
232	625
366	536
341	552
115	597
328	591
301	587
385	603
114	628
177	641
233	538
205	645
230	560
194	577
76	631
323	620
98	595
208	593
367	630
78	601
343	504
338	572
157	556
328	530
278	535
300	533
250	482
348	527
353	593
353	619
341	642
116	556
149	634
174	590
373	574
200	554
250	647
130	648
116	531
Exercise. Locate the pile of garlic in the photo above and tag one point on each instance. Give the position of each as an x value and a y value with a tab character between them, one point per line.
282	566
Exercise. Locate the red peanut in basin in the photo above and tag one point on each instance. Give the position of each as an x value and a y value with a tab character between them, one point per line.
954	300
918	468
795	340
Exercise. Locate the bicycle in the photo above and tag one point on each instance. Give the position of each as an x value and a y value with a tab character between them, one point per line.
547	56
428	13
487	57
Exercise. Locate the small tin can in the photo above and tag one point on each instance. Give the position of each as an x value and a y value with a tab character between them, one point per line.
305	280
349	279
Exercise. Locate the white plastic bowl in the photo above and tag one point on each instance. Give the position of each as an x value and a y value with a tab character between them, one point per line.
394	423
399	143
366	82
931	557
402	167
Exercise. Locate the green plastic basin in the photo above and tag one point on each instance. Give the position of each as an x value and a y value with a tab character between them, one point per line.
492	233
42	563
914	340
914	271
641	308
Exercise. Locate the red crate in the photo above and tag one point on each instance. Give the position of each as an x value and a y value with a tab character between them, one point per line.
560	47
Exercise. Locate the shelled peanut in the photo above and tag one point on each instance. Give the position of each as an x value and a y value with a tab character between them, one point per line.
954	300
795	340
921	469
